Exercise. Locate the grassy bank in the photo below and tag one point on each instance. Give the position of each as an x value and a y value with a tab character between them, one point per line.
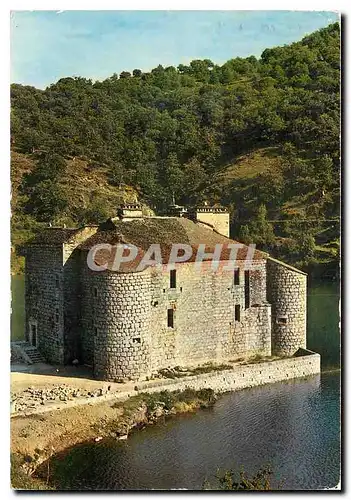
39	467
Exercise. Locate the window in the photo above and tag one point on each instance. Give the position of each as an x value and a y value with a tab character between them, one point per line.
170	318
173	279
95	291
282	320
57	316
247	289
95	331
237	276
57	281
237	312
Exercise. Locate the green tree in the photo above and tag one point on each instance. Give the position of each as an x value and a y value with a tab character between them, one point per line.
233	481
194	179
96	211
259	230
125	74
305	246
189	130
47	200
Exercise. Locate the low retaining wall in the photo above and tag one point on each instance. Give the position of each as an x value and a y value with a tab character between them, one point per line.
245	376
239	377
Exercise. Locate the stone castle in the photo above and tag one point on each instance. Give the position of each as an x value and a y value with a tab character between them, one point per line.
128	324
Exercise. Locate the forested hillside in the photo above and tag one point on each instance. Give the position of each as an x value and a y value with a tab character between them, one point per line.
258	135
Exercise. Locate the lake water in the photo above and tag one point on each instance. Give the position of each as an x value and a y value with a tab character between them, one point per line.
17	307
293	426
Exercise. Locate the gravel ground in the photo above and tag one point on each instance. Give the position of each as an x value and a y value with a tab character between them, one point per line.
35	385
31	398
30	389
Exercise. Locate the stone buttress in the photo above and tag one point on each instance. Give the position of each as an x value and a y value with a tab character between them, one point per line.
286	291
116	330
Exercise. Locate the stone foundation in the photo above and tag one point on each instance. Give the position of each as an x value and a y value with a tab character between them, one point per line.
245	376
307	363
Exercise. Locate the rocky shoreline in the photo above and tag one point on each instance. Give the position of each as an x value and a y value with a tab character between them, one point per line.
38	432
29	469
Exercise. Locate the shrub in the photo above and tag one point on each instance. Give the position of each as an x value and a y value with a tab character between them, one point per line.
230	480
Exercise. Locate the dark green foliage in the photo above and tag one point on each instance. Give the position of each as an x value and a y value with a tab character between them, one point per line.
20	480
168	399
96	211
259	230
173	130
230	480
47	200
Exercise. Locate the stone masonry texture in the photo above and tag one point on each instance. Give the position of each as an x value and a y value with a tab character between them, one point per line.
127	325
44	300
286	291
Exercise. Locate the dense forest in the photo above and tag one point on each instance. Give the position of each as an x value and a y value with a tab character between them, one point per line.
260	136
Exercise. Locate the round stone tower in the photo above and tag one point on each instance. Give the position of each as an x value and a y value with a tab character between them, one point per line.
286	291
120	324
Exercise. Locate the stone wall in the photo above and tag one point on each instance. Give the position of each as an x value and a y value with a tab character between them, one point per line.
286	291
73	262
116	323
205	328
238	378
87	311
18	355
125	332
52	297
219	220
72	302
44	282
243	376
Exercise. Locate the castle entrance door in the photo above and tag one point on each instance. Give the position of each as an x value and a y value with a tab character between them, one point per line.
33	334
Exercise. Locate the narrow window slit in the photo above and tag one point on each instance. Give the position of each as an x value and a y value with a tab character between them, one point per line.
247	289
237	312
237	276
173	278
170	318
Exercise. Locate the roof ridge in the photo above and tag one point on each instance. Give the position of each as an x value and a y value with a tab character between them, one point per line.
284	264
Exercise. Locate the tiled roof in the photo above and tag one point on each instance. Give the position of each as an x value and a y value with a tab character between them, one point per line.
142	233
53	236
163	231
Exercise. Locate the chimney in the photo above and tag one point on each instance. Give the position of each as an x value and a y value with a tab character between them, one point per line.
129	211
216	217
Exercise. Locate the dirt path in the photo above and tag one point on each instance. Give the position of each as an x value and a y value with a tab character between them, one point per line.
45	376
60	429
68	426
